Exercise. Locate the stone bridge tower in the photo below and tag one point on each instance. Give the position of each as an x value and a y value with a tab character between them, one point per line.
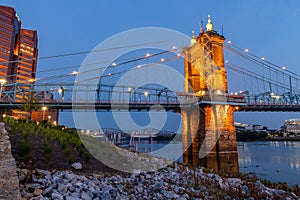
209	137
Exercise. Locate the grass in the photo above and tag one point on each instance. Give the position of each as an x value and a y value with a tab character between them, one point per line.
68	138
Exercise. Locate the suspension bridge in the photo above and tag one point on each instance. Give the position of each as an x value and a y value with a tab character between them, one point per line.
262	86
219	78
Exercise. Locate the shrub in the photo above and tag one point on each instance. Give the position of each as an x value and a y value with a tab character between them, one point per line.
68	151
47	147
26	149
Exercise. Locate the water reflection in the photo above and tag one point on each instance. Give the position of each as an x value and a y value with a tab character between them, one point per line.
276	161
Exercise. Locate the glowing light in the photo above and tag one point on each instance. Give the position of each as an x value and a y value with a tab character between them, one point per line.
75	73
263	58
2	81
31	80
226	61
283	68
60	90
129	89
113	64
246	50
162	60
178	55
4	115
236	108
49	117
174	48
147	55
146	93
55	123
109	74
44	108
236	93
241	91
139	66
229	42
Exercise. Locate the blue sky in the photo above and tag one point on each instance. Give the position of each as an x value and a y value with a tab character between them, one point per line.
269	29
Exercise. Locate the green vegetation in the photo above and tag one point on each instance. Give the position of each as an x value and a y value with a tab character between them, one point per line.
29	130
26	149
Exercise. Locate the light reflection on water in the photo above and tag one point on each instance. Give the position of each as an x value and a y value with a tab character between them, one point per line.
272	160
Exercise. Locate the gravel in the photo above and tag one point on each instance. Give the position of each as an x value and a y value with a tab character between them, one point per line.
168	183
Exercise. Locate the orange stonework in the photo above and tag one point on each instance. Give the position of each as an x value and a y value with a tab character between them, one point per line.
209	137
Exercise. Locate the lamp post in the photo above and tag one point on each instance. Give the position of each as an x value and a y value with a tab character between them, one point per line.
2	82
44	108
61	92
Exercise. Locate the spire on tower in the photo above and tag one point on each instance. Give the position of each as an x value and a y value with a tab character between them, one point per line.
193	38
201	27
209	25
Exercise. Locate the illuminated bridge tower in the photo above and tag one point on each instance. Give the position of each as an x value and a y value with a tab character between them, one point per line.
209	136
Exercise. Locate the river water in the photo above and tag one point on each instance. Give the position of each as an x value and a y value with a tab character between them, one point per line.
271	160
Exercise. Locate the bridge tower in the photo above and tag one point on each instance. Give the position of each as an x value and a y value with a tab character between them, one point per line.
209	135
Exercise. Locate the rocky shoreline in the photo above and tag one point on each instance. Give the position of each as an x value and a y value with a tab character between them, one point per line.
178	182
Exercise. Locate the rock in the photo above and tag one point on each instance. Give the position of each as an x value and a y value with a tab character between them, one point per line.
48	190
75	194
139	189
70	177
72	198
168	194
62	188
56	196
37	192
85	196
148	176
77	165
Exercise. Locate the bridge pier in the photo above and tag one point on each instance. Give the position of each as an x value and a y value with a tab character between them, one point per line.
209	138
209	135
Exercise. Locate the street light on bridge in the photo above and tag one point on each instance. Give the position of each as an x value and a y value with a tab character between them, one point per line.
44	108
2	82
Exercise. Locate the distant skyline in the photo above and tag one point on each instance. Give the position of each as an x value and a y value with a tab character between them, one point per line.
268	29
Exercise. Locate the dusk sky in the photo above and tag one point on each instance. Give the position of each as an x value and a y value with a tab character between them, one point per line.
269	29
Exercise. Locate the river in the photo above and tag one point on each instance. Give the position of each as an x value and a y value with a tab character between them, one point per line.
271	160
